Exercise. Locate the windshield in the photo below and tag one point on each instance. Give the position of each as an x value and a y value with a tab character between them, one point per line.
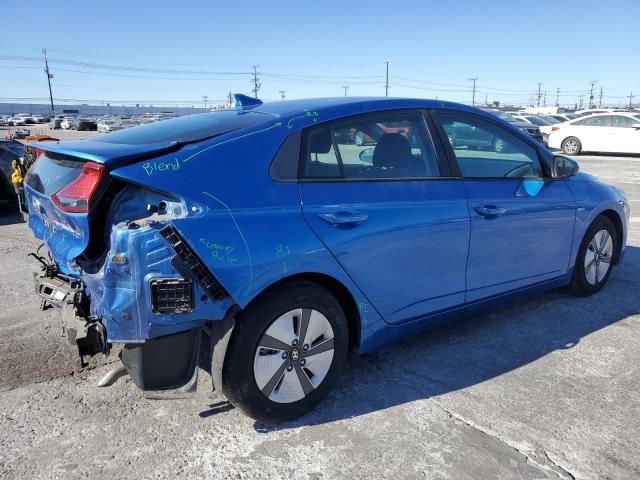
187	129
550	120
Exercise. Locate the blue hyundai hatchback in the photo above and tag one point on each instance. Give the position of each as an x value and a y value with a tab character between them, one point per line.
286	242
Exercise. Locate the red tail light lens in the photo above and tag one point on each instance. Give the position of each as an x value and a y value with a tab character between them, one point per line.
36	153
76	196
555	129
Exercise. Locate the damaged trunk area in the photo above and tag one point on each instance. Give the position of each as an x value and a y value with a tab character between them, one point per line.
119	271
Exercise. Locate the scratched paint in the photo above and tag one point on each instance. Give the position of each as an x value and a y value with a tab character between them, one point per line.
220	251
312	116
153	167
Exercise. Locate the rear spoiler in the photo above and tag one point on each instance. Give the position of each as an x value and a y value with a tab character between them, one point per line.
112	155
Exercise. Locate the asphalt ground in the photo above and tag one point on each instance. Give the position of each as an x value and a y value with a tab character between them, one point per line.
544	388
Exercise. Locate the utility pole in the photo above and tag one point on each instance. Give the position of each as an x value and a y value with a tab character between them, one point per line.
473	99
230	99
346	87
544	99
593	82
386	83
256	83
204	97
580	102
631	95
557	97
282	92
49	77
600	101
539	93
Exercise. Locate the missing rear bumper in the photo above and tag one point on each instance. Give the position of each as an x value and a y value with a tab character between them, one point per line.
67	295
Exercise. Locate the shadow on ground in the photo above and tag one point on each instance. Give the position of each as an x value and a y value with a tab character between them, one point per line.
476	349
9	214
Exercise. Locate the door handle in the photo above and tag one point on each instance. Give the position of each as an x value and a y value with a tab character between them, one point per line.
343	218
490	210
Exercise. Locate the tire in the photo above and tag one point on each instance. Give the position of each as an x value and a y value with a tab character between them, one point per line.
571	146
257	363
597	251
359	138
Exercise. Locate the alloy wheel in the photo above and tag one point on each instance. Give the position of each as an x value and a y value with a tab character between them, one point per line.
570	146
597	259
294	355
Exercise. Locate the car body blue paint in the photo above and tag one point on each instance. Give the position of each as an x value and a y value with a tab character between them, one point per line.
422	257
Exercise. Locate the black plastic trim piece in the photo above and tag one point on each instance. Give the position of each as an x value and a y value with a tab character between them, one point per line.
187	264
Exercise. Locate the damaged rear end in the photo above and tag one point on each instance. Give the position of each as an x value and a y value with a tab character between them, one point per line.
117	268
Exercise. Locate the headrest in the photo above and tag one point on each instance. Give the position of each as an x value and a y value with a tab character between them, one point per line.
392	150
320	142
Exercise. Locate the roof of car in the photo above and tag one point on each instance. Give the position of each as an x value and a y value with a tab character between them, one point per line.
357	104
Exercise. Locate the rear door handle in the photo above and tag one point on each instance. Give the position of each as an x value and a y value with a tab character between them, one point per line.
490	210
343	218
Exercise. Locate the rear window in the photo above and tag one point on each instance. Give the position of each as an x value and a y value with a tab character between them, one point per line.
49	175
187	129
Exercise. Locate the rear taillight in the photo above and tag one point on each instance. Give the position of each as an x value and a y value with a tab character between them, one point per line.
555	129
36	153
76	196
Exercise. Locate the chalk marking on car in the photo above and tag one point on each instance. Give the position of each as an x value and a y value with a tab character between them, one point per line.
275	125
246	245
313	116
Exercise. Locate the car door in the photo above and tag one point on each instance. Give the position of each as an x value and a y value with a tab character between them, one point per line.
386	212
522	222
625	138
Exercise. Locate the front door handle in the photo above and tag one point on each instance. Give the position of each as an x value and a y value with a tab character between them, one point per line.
490	210
343	218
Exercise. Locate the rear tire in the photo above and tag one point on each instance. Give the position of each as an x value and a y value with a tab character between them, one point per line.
293	372
359	138
571	146
594	262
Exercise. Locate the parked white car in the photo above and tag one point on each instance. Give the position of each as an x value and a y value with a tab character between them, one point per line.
109	125
17	120
67	123
605	132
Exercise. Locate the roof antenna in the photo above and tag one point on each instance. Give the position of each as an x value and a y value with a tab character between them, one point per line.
244	102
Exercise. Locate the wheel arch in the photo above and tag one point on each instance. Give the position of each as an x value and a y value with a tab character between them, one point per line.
336	288
617	222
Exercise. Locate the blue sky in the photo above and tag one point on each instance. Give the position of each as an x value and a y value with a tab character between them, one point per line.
143	50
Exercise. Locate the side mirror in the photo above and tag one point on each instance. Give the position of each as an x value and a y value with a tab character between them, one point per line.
636	126
564	167
366	155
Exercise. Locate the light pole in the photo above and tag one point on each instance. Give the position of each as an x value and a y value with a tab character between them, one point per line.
205	98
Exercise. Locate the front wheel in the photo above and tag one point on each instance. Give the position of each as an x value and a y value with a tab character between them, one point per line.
286	353
594	261
359	138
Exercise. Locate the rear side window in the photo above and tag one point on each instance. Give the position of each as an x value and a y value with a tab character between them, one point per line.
485	150
620	121
597	121
187	129
49	175
392	146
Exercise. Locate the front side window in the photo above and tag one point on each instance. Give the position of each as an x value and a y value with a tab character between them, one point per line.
391	146
485	150
620	121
